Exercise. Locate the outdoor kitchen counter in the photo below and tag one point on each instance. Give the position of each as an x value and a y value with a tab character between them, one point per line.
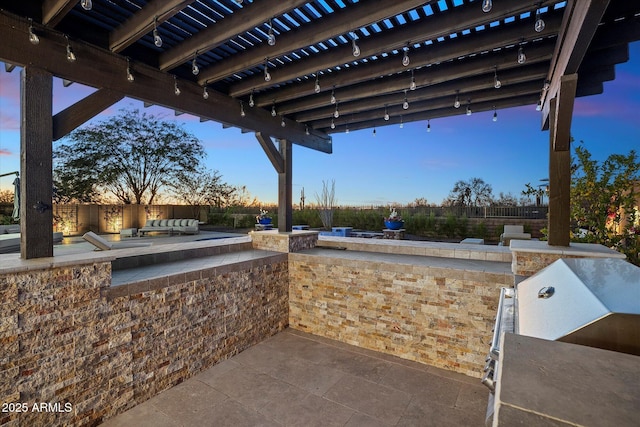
551	383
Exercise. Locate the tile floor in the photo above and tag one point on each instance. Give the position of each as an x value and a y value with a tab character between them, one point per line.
297	379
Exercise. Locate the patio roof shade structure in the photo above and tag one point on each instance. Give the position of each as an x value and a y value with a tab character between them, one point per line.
427	53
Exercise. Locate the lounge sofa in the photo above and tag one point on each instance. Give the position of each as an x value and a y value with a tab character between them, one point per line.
513	232
179	226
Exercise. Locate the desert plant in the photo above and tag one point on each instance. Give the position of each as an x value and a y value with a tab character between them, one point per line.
326	202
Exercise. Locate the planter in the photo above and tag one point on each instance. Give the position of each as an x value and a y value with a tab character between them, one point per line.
264	221
393	225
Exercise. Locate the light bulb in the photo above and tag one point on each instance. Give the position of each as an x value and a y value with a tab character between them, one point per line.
316	88
495	116
273	111
539	106
456	103
405	105
374	131
86	4
33	37
386	115
497	83
71	57
401	123
194	67
405	58
546	85
468	110
333	124
267	75
412	86
282	123
356	48
251	101
306	130
486	6
176	89
522	58
428	126
130	77
205	93
242	112
238	1
336	113
539	25
156	38
333	97
271	38
347	129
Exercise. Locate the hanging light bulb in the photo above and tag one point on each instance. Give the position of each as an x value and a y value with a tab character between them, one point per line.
539	105
306	130
522	58
356	48
238	1
71	57
273	110
251	101
267	76
469	108
86	4
496	82
539	25
495	114
156	36
347	129
33	37
194	65
333	96
242	112
412	86
401	123
282	123
546	85
176	89
271	38
405	104
486	6
374	131
333	124
336	113
405	57
456	103
316	88
205	93
386	114
130	77
429	125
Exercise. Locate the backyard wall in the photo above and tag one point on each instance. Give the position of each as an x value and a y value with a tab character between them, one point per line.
437	316
88	352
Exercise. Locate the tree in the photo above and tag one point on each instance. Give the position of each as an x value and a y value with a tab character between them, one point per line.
326	202
506	200
474	192
131	155
604	199
6	196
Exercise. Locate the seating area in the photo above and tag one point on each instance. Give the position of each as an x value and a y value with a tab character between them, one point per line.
513	232
105	245
171	226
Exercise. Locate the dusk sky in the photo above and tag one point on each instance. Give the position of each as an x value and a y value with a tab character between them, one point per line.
397	165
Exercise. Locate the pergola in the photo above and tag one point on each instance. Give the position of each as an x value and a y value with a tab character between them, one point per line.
296	71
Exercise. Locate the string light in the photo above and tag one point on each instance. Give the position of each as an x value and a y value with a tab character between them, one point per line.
333	124
336	113
456	103
71	57
374	131
176	89
273	110
33	37
86	4
405	57
347	129
539	105
495	114
306	130
496	82
333	96
267	76
386	114
539	25
282	123
405	104
355	48
242	112
429	125
412	86
205	93
194	65
486	6
522	58
156	36
271	38
251	101
468	107
401	123
316	88
130	77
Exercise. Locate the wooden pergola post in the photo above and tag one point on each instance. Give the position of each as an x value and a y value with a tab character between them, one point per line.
560	113
36	163
285	199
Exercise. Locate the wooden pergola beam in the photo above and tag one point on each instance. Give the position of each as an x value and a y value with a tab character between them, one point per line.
82	111
53	11
271	151
251	16
395	39
143	21
356	16
581	20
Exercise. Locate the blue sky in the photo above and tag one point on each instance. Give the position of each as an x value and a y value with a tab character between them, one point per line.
397	165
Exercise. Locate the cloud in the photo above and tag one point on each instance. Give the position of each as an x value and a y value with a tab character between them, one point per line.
5	152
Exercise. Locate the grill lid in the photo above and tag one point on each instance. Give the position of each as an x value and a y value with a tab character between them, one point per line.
587	301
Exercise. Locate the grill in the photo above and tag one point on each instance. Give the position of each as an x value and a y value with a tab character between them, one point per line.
587	301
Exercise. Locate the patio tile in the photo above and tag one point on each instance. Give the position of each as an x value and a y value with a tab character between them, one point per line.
308	411
378	401
308	376
424	412
141	415
362	420
233	414
408	380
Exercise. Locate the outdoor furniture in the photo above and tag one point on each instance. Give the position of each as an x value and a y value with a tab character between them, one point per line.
105	245
187	226
473	241
513	232
128	232
388	233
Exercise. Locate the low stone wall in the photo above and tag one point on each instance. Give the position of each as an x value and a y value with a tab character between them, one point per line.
88	352
437	316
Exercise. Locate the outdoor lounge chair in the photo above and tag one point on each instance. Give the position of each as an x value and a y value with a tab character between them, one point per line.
105	245
513	232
